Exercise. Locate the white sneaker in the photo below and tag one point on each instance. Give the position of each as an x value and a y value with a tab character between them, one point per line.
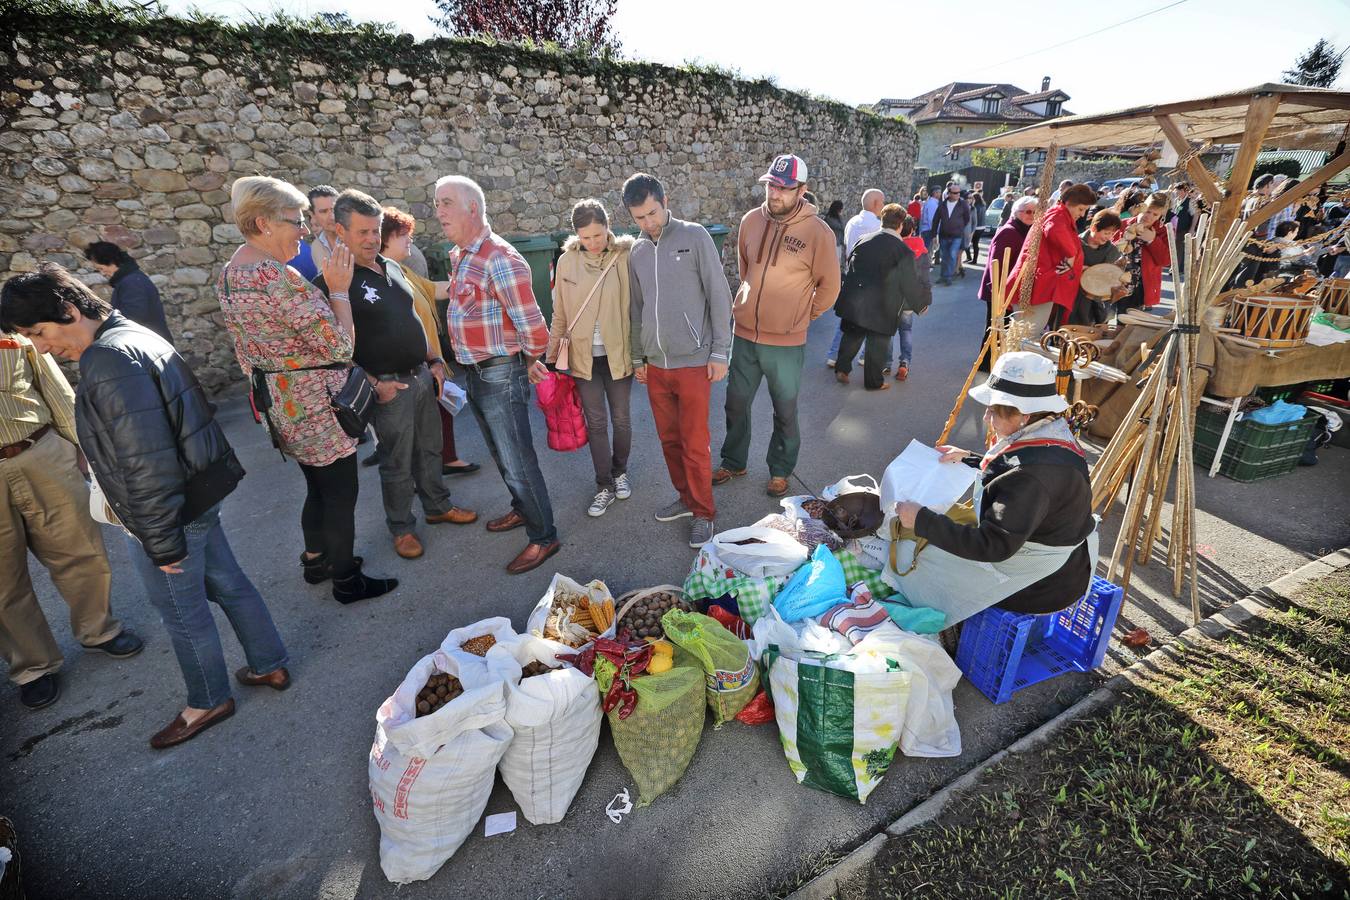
622	489
603	498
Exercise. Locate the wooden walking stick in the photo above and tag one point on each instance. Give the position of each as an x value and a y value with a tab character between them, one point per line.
997	305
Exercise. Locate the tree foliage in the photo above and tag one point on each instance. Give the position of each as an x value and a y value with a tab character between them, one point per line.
1318	67
572	24
1004	160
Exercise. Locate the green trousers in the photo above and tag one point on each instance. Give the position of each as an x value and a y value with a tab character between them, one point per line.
752	363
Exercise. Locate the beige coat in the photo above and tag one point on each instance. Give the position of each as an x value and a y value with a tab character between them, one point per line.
574	276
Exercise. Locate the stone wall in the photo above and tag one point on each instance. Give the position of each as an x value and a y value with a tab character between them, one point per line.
134	132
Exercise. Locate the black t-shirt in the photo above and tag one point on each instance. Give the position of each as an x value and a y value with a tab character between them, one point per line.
389	336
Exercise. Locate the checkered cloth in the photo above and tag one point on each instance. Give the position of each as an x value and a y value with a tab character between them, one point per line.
855	570
711	578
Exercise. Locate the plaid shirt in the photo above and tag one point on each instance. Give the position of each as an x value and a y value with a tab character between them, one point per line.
491	309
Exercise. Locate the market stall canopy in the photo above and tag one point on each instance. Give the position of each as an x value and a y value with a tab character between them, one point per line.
1305	119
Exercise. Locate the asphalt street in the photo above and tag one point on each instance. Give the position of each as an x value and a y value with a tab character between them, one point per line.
274	803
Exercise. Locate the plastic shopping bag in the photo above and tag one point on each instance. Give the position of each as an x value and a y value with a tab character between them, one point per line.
758	551
596	591
729	673
814	588
556	720
430	777
710	578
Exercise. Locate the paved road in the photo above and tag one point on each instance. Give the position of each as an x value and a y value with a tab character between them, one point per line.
275	804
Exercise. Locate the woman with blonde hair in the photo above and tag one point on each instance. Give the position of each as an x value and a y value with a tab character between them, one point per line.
1142	242
590	319
295	347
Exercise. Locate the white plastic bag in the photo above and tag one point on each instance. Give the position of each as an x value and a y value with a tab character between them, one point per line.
497	626
930	728
597	590
850	484
918	474
777	554
430	777
556	720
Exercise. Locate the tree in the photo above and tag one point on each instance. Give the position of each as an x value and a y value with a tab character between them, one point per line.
574	24
995	158
1318	67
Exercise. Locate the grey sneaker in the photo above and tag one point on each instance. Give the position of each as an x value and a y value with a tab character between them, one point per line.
603	498
676	510
622	488
700	532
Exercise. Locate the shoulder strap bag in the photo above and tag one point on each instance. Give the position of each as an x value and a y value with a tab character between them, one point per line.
563	361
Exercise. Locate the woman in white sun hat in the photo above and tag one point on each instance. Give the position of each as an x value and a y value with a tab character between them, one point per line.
1034	546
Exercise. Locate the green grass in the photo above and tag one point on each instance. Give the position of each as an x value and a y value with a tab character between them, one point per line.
1224	774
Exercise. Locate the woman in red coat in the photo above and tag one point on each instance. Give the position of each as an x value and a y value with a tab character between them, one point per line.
1142	242
1059	262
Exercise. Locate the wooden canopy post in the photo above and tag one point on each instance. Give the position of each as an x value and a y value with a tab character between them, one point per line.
1260	112
1194	167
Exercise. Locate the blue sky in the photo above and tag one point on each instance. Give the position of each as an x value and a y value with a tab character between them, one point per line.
861	50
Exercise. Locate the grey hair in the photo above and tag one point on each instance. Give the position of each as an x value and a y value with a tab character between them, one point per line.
1023	203
354	201
463	186
869	192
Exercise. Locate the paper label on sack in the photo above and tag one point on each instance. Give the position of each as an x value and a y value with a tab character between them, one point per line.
919	474
499	823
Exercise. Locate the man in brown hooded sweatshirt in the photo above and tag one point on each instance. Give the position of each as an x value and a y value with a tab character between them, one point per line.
789	277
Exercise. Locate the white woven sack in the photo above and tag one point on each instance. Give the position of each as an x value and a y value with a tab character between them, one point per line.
597	590
497	626
430	777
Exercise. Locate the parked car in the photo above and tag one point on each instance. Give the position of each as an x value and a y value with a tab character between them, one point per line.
993	215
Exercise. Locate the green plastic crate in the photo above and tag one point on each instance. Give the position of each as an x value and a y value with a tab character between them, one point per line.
1254	451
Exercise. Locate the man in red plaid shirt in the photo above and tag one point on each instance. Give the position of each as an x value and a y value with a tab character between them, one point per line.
498	335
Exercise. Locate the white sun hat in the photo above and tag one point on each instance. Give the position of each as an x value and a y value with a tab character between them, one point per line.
1023	380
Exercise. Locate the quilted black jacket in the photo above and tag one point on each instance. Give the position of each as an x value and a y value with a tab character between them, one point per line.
150	436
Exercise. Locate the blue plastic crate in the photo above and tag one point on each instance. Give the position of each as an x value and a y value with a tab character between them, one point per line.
1002	652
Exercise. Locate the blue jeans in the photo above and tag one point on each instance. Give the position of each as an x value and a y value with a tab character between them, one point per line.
210	572
500	398
906	338
951	254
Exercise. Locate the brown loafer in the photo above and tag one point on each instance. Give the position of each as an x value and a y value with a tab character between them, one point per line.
532	557
277	680
408	546
180	731
722	475
841	377
776	487
455	516
884	386
511	520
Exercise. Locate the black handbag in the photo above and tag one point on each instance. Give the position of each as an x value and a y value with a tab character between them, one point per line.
353	405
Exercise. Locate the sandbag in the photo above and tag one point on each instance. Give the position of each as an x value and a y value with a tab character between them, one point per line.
730	675
430	777
556	722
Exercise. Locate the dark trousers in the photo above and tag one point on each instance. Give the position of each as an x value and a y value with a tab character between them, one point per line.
328	518
448	452
875	356
600	390
410	452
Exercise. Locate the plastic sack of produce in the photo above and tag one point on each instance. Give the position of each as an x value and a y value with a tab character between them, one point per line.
431	771
839	716
657	738
814	588
710	578
554	711
562	614
471	643
759	551
730	675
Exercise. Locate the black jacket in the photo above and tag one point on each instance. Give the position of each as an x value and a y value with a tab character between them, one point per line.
953	224
136	297
150	436
1039	494
880	281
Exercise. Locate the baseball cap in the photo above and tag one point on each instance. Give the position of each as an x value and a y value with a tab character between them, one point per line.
787	171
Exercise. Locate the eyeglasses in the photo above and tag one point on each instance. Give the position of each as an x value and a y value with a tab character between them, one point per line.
298	223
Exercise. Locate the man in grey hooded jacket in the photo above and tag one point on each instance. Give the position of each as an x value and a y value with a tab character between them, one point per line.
680	318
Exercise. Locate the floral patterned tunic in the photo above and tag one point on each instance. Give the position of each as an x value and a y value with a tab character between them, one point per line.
280	321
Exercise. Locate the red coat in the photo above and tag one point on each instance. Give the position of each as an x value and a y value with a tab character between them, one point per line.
915	209
1059	241
1153	257
557	397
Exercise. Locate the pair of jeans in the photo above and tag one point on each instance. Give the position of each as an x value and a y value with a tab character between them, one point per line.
600	390
210	573
409	429
328	518
950	247
875	354
905	337
679	399
500	399
781	367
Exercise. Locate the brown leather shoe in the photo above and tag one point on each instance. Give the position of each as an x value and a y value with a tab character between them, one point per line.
884	386
532	557
277	679
841	377
511	520
776	487
455	516
408	546
180	731
722	474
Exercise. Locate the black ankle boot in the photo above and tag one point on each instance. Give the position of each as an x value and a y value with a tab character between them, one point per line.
316	568
359	586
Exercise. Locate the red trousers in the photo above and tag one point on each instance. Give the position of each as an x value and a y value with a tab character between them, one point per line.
448	454
679	399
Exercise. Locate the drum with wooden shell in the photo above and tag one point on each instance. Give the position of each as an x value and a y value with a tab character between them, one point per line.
1273	321
1335	297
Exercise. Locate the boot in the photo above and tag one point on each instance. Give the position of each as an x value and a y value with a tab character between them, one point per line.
359	586
317	570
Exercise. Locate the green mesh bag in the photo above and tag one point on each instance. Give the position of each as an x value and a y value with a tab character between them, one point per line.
730	675
657	742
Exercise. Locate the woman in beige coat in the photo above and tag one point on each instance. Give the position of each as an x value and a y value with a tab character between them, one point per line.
590	315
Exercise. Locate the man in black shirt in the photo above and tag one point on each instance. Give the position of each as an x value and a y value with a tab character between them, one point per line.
405	372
